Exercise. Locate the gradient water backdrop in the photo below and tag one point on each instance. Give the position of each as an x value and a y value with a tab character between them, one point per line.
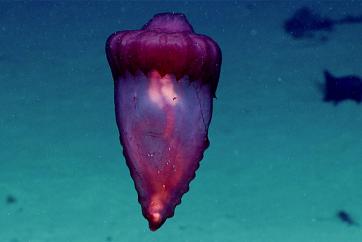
281	163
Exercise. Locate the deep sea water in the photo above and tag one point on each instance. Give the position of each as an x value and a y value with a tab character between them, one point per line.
281	163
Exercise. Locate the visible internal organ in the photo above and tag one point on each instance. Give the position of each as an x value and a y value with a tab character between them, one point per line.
164	123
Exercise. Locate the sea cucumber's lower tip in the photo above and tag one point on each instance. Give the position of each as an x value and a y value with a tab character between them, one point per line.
155	220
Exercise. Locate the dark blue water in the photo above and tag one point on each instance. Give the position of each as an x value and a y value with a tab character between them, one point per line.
281	165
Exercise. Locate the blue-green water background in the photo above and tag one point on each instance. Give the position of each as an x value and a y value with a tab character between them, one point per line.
281	161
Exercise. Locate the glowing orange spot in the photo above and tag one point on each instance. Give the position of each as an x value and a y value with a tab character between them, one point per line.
161	89
156	217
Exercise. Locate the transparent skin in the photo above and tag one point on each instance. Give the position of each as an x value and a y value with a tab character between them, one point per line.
163	125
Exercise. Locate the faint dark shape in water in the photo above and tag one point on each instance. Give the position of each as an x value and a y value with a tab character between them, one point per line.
10	199
182	227
305	23
346	218
337	89
250	6
109	238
